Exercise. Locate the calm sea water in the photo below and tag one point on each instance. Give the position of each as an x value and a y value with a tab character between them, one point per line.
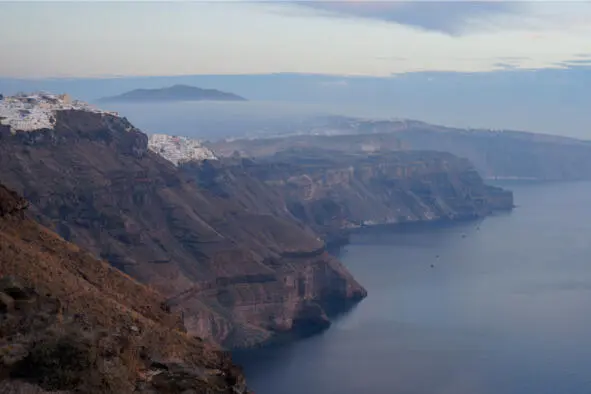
506	309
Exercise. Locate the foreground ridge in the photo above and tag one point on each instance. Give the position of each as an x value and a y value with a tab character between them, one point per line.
71	323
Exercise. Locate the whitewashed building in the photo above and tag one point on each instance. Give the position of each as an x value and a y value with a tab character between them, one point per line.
178	149
28	112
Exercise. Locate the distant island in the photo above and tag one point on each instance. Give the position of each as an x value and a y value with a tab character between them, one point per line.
173	93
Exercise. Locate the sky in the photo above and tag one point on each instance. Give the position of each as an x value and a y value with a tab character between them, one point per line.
485	64
99	38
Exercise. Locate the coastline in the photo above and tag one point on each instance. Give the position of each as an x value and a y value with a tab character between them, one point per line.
340	238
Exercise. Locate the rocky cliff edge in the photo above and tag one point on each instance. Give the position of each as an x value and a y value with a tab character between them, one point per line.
239	277
332	191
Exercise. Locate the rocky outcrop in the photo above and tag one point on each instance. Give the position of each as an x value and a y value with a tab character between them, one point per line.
70	323
11	204
240	276
331	191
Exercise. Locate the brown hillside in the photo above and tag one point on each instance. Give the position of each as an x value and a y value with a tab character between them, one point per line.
72	323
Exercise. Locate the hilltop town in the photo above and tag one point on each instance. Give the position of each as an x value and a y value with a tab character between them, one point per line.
178	149
36	111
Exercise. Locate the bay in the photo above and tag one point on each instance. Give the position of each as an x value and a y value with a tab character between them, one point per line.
497	306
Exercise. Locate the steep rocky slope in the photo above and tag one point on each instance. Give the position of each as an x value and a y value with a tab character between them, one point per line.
71	323
241	277
495	153
331	191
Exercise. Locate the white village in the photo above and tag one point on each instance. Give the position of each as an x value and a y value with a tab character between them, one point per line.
28	112
37	111
178	149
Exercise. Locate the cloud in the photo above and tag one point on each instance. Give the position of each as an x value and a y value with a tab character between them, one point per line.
392	58
509	63
576	63
585	62
217	37
511	59
448	17
506	66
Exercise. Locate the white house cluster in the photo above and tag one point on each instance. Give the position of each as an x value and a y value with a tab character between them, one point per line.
28	112
179	149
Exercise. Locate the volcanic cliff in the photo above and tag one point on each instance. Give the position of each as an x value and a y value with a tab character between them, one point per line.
71	323
241	277
331	191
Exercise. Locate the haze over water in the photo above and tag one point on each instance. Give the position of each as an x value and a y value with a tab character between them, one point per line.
505	309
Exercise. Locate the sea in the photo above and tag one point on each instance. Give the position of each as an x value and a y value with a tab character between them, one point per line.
496	306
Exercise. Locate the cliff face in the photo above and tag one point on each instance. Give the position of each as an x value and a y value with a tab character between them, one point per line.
240	276
330	191
70	323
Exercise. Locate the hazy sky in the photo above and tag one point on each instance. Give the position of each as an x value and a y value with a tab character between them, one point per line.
82	39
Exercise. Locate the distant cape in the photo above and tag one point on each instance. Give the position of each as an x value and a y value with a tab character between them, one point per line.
173	93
